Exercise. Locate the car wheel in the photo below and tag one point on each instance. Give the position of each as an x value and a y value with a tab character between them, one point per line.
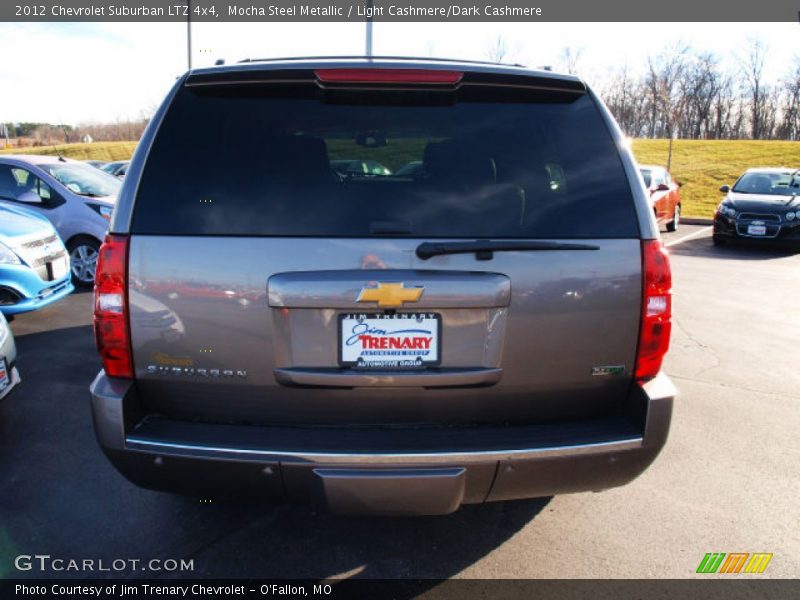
83	253
676	219
718	241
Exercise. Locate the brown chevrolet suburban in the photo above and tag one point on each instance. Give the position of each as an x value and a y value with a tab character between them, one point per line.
489	325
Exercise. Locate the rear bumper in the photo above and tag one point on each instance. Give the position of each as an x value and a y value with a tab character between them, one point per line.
409	471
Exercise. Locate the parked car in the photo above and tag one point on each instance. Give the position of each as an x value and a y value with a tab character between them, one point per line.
76	198
97	164
360	168
665	195
9	376
494	331
34	265
117	168
763	205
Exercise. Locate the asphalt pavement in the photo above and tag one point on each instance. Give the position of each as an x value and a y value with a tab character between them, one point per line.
728	480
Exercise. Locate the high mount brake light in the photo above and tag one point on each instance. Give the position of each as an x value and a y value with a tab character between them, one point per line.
392	76
111	330
656	324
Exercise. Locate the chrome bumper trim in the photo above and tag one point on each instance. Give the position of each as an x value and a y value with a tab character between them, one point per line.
331	458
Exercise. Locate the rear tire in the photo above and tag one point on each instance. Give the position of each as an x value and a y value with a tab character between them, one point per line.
83	251
676	219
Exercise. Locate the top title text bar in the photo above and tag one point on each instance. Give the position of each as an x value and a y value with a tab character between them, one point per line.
400	10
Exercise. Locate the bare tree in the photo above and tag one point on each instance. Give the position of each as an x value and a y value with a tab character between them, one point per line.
625	97
722	109
757	91
790	125
569	59
66	130
498	49
684	93
698	87
51	134
120	130
665	101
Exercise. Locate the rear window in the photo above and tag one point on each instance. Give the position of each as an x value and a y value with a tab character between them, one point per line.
250	160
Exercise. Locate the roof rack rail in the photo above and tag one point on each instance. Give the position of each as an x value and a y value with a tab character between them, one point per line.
361	56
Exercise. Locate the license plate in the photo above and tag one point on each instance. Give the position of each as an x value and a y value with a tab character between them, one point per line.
60	267
5	379
756	229
398	341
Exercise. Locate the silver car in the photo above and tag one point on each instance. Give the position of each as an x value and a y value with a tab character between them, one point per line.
9	376
77	199
490	329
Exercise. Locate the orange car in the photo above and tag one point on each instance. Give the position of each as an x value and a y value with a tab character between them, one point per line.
665	195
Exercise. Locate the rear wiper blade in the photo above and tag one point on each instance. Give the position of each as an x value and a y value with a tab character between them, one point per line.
484	249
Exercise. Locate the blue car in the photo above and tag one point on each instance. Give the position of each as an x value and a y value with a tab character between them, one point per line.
76	198
34	264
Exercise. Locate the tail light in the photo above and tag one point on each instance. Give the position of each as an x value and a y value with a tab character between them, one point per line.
416	76
111	330
656	310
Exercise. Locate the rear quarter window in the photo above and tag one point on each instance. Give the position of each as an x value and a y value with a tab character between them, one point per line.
258	160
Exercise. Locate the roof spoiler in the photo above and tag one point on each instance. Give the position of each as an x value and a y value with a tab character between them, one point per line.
385	76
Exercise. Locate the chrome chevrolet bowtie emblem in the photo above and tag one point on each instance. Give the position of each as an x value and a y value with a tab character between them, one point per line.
390	295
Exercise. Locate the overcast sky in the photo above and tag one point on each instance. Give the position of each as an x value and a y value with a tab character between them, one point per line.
80	72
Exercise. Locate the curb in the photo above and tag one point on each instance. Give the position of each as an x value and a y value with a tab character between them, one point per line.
696	221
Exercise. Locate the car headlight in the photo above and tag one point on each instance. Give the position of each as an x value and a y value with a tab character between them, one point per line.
790	216
7	256
102	210
727	211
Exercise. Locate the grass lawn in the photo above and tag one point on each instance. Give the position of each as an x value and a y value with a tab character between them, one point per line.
704	165
700	165
108	151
